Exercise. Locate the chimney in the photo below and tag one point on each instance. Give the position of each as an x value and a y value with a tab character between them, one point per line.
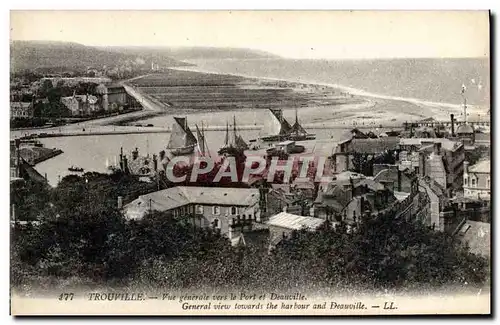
263	199
155	162
285	208
399	179
437	148
452	117
125	165
122	167
466	167
120	202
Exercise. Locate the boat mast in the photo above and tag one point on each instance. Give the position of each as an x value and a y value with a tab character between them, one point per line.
234	128
205	144
226	140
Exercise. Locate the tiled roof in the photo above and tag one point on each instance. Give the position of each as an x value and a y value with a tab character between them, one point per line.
294	222
446	144
482	166
175	197
374	145
20	104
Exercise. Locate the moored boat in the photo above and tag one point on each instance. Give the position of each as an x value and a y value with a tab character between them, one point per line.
75	169
233	142
182	140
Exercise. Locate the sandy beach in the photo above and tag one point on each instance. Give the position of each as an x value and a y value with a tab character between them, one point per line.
386	107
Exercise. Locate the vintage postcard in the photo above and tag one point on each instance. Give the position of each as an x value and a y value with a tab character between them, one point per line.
250	163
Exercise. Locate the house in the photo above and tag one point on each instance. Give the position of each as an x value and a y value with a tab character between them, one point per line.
144	166
80	105
477	180
439	158
22	110
465	132
117	96
351	195
395	177
283	224
245	232
345	150
437	202
204	206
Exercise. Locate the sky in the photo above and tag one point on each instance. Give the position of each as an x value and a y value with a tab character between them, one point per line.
292	34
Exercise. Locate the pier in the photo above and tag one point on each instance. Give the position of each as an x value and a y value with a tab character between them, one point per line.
151	130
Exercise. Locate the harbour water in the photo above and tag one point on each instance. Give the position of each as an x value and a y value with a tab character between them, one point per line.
92	152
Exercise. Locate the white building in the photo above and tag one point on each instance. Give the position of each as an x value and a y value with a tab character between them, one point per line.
477	180
205	206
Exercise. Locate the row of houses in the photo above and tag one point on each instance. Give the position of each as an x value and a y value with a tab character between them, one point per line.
107	98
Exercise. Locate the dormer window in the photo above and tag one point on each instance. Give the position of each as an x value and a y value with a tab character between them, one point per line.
216	210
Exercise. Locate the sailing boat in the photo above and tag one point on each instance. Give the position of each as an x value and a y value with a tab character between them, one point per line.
182	141
276	128
233	143
297	132
202	144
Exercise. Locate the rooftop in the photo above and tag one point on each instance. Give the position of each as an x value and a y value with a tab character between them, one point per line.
20	104
482	166
446	144
377	145
175	197
465	128
294	222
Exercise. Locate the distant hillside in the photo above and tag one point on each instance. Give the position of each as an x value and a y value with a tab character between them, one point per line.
189	53
46	54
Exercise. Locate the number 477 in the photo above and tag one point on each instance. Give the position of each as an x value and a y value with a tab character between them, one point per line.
66	296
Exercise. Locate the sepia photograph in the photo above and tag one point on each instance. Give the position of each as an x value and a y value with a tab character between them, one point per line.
250	163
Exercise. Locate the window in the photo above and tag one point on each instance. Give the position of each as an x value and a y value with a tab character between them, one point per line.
466	181
234	211
216	210
473	182
216	223
199	209
488	183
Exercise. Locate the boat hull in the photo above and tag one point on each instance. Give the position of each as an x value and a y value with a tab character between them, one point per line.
182	151
273	138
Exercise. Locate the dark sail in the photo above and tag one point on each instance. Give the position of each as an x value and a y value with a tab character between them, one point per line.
233	143
240	143
277	124
202	146
297	128
181	135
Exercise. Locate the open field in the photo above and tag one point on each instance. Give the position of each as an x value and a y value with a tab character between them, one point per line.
195	90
